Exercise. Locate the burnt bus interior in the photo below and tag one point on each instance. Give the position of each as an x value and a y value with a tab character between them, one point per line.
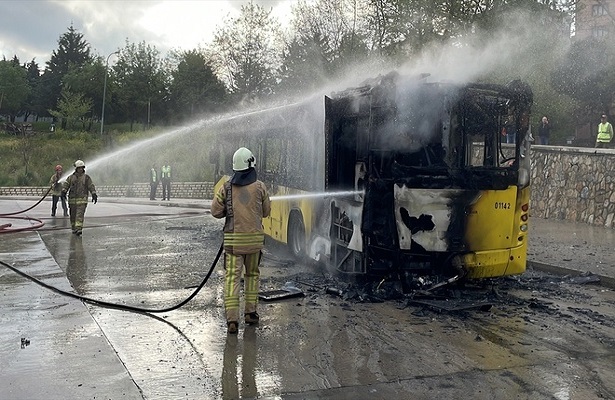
422	135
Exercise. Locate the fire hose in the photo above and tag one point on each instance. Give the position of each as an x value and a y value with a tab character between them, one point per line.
116	306
6	228
99	303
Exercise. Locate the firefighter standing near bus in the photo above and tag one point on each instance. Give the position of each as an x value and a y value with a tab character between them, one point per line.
77	186
244	202
56	192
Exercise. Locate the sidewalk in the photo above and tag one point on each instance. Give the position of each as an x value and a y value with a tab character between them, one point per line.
568	248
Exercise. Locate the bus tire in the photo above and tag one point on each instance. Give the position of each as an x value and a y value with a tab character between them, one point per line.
296	234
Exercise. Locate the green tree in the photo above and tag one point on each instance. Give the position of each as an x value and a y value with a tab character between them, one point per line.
306	64
14	88
194	88
141	83
247	52
32	103
89	81
587	74
73	52
329	37
72	108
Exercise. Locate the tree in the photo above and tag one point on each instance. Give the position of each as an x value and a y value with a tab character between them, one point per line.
73	53
72	108
141	83
587	74
194	88
14	88
329	38
247	52
89	81
32	102
306	64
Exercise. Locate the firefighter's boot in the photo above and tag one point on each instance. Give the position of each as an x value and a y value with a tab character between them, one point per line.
252	318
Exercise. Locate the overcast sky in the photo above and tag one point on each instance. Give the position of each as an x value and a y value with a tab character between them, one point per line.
30	29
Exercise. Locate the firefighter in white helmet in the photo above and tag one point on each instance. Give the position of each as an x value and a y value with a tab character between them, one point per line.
244	202
77	186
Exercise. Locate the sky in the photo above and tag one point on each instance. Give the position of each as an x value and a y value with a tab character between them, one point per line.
31	29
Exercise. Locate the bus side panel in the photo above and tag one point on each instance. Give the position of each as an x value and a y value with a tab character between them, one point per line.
424	217
274	225
512	259
518	261
490	219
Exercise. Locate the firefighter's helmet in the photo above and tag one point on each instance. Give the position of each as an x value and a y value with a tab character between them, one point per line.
58	167
243	159
79	163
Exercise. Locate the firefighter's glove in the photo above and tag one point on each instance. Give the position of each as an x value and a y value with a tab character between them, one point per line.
94	198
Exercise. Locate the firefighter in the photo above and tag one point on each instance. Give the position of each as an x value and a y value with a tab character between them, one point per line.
56	192
244	202
77	186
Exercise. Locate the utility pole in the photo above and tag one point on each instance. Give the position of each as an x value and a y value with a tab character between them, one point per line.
102	113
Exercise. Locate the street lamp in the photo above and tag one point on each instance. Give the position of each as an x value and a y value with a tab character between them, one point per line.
102	113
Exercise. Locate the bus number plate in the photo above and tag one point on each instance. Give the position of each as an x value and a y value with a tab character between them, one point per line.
502	206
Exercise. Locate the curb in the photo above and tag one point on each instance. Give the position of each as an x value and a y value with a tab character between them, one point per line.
605	281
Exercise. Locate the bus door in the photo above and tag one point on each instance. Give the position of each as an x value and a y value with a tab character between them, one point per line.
343	173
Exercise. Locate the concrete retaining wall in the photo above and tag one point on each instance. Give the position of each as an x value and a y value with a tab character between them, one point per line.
568	183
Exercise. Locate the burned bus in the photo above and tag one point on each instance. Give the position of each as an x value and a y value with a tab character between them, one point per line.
399	177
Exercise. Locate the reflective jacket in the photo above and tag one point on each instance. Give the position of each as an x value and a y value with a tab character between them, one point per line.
605	132
244	207
153	177
165	172
77	187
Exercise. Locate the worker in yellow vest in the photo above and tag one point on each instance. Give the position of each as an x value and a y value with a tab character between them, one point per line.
605	133
165	178
153	183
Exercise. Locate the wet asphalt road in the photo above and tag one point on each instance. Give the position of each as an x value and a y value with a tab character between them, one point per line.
318	346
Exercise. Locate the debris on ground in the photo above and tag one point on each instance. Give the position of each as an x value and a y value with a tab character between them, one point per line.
289	290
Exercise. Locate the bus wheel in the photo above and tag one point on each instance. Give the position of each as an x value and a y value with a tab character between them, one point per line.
296	235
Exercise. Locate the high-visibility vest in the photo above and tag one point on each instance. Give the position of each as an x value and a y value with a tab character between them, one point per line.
605	132
153	172
165	172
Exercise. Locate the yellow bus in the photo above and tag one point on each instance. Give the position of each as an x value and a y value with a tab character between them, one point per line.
399	177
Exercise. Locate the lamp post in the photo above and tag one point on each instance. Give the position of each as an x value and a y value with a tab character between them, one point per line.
102	113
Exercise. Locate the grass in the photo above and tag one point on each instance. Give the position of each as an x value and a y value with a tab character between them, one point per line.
29	160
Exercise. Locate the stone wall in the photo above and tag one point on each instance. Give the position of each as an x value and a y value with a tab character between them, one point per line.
573	184
180	190
568	183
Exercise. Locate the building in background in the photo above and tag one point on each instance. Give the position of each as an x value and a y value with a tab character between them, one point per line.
595	18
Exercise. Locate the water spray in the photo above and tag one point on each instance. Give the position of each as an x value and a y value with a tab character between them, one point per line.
317	195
